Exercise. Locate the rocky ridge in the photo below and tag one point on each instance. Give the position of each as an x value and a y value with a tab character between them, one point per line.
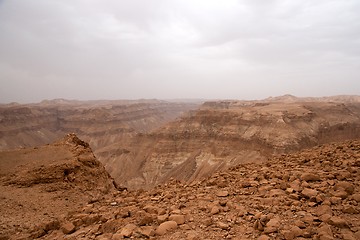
39	185
312	194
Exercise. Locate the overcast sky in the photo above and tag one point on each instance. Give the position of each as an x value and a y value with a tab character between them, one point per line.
129	49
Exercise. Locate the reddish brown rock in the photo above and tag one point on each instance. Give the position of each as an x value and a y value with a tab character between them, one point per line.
323	209
338	222
272	226
356	197
179	219
128	230
309	177
165	227
292	233
309	193
215	210
263	237
325	232
348	187
147	231
222	193
222	225
67	228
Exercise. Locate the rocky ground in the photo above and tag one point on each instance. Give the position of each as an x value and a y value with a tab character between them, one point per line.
313	194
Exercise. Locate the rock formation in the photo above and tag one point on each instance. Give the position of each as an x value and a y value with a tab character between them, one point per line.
39	185
222	134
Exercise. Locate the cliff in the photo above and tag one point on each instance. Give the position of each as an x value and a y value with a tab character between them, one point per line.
226	133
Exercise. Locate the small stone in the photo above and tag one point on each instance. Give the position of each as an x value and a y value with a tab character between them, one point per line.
145	219
192	236
258	225
350	209
341	194
356	197
162	218
325	217
166	227
113	203
127	231
289	190
207	221
325	232
338	222
272	226
122	213
222	193
348	187
292	233
263	237
323	209
215	210
309	193
179	219
335	200
276	192
357	235
161	211
348	235
308	177
147	231
300	224
150	209
117	236
68	228
222	225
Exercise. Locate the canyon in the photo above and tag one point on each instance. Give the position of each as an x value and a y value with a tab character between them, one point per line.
146	142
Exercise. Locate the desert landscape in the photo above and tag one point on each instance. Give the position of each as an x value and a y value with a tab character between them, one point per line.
179	120
279	168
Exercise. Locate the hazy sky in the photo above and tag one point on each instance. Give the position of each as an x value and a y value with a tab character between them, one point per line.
117	49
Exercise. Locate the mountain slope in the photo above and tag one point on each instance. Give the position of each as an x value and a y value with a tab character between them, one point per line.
97	122
223	134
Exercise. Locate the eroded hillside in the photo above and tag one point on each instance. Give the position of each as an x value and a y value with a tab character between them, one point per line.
146	142
39	185
100	123
226	133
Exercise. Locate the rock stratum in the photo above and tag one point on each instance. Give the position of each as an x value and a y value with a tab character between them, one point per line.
146	142
222	134
310	194
99	123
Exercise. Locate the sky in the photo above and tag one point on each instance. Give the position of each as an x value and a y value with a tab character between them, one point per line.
170	49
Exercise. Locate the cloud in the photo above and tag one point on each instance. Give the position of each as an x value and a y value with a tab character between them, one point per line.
88	49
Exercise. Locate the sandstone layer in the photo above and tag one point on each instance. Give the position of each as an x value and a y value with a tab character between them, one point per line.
222	134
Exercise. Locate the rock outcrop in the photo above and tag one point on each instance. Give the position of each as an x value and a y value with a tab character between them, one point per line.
39	185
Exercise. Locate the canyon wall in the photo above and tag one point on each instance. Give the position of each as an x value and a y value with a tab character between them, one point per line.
226	133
